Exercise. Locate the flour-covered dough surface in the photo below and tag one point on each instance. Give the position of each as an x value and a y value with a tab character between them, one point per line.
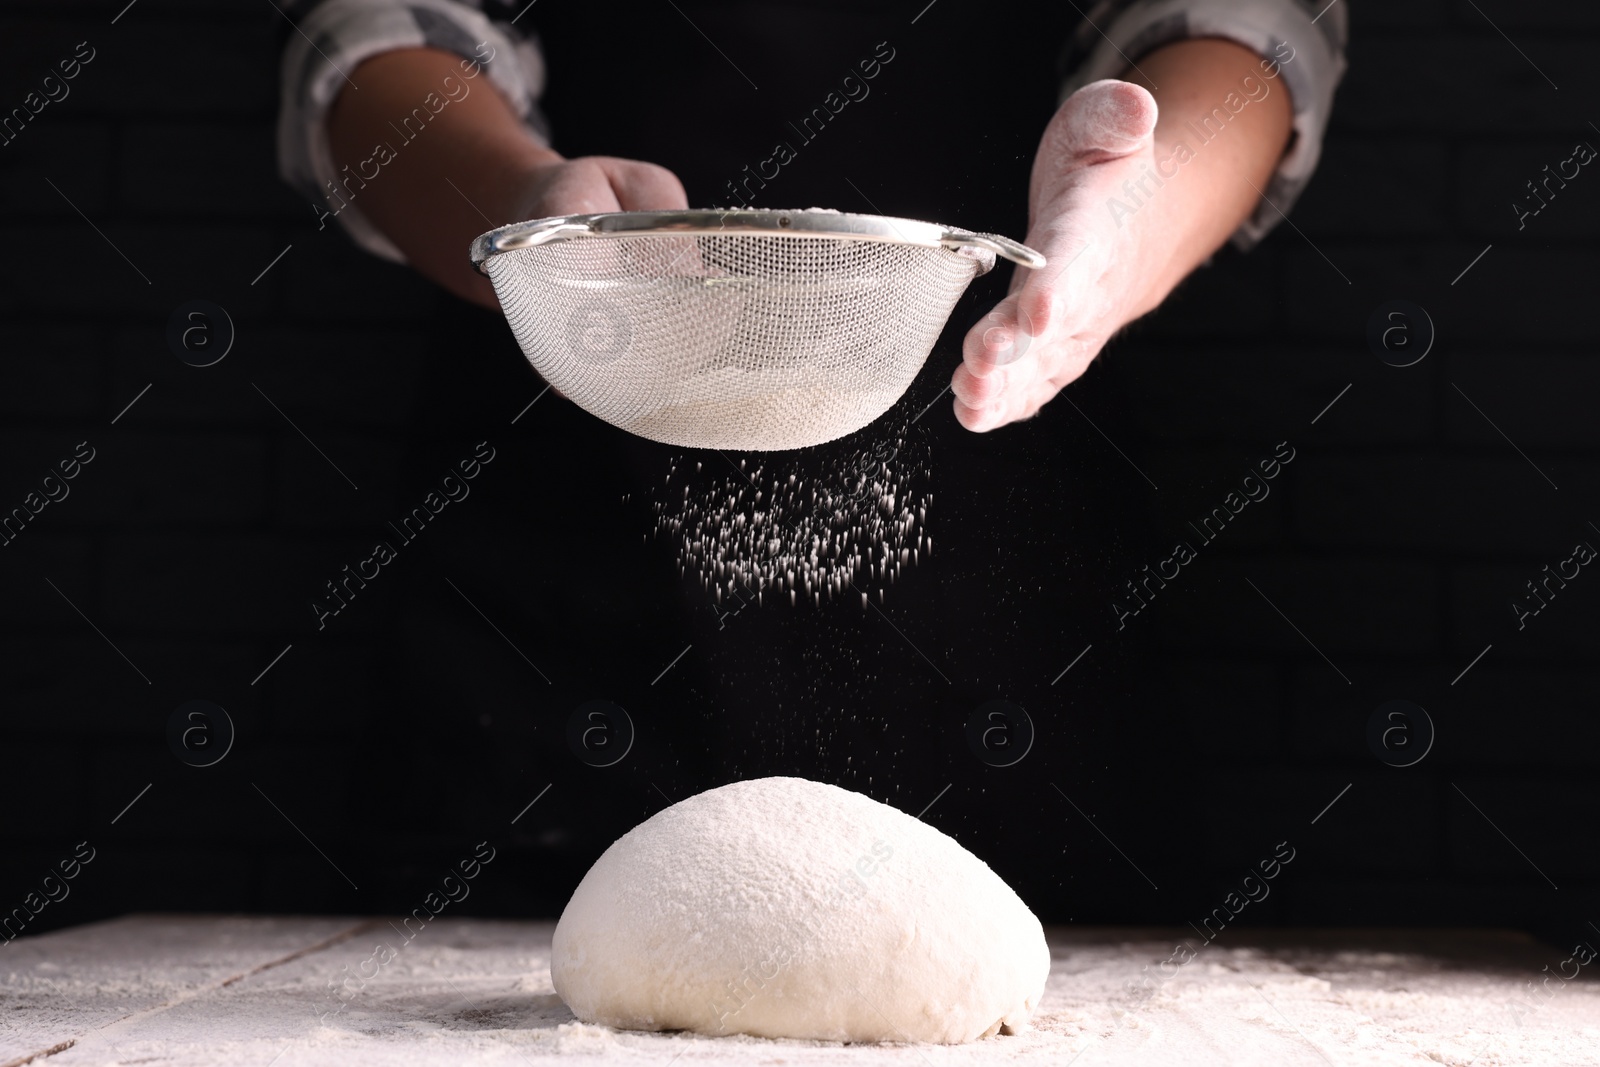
781	907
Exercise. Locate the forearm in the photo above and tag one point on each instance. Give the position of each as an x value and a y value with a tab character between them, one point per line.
474	141
1223	126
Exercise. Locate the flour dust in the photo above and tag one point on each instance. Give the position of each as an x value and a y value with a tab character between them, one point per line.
802	527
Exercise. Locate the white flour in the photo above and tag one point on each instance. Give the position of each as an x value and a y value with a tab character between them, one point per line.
756	530
210	991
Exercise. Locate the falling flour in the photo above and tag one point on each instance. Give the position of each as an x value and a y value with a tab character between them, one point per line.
758	529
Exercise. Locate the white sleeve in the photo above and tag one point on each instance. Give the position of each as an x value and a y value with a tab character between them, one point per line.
1306	38
334	37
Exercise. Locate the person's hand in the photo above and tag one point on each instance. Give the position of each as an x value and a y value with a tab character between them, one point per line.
1100	270
595	184
592	185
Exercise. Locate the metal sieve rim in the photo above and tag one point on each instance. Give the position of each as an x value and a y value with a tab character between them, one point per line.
810	223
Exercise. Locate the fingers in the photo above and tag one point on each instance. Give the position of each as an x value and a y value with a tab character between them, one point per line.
987	398
997	363
644	186
577	187
982	405
975	391
1000	338
979	402
595	185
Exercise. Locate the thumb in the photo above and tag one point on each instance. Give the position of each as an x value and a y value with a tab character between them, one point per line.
644	186
1102	123
1105	120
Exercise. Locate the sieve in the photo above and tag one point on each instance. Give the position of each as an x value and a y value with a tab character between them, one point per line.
743	329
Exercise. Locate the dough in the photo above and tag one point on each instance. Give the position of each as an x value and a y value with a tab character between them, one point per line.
786	908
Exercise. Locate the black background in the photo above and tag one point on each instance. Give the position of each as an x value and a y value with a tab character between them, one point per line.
1196	739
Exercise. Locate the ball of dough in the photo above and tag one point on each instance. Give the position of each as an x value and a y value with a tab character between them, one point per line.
781	907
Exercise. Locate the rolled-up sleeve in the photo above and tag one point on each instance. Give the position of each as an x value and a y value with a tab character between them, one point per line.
1306	38
333	37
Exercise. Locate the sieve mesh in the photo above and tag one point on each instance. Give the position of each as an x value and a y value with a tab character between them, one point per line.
741	341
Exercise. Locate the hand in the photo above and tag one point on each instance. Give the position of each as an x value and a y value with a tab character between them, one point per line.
1101	266
595	184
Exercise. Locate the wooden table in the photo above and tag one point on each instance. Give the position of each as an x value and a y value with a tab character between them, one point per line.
227	990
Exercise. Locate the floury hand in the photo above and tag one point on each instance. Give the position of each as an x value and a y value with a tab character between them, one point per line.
1109	263
1055	320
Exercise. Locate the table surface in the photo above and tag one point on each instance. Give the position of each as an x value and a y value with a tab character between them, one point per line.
225	990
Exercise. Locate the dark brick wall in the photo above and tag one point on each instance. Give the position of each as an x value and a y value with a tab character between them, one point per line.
1408	521
1393	541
